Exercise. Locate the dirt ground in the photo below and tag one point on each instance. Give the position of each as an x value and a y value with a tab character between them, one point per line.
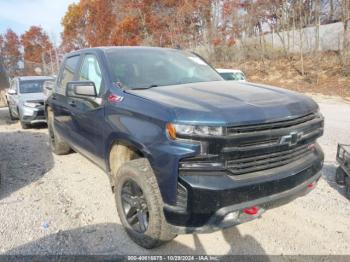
63	204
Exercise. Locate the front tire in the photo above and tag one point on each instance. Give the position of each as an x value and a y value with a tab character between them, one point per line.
57	144
12	117
24	125
140	205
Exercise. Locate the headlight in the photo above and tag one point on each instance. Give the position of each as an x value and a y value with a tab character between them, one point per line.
190	130
318	113
31	104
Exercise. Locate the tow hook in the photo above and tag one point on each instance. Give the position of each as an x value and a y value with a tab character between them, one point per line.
312	185
251	213
251	210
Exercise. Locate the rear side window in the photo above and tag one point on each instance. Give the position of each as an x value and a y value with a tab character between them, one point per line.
69	68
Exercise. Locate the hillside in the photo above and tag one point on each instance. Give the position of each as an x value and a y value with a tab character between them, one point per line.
328	78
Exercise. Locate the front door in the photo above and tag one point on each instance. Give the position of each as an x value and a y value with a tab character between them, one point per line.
88	113
59	100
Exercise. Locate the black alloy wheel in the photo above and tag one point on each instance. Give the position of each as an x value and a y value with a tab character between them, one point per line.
135	206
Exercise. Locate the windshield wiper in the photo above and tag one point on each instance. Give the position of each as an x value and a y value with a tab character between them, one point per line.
146	87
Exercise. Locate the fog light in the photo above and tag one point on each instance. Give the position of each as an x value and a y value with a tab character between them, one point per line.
201	165
231	216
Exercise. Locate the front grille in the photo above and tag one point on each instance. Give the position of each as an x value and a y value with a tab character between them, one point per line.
40	113
267	161
270	126
260	147
254	148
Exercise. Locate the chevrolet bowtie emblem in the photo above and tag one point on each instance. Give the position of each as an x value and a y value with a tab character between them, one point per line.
291	139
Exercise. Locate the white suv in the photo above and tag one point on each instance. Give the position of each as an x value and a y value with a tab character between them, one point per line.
232	74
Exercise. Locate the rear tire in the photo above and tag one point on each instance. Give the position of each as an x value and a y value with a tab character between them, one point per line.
57	144
157	231
340	176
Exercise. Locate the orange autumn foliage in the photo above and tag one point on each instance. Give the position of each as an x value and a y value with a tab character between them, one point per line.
36	44
10	51
90	23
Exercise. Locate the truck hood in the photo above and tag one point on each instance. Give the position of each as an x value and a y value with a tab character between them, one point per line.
229	103
32	97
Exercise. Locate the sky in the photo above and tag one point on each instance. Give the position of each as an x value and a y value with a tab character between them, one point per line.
19	15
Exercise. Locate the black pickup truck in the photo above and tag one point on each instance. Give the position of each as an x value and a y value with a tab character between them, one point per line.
185	151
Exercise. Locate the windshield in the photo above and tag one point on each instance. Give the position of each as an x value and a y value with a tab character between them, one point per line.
146	68
31	86
233	76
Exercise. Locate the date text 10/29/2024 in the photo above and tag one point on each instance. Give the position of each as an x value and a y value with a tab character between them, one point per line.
173	258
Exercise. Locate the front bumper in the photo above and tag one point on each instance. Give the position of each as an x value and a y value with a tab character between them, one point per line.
219	201
33	115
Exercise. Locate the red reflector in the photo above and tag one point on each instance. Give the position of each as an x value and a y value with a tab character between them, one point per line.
251	210
115	99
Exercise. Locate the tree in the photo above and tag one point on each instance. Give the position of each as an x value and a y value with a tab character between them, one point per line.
11	52
99	19
87	24
345	14
149	22
126	32
3	75
37	48
74	27
1	43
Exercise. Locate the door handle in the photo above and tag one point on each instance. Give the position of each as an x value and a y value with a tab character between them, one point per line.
53	97
72	103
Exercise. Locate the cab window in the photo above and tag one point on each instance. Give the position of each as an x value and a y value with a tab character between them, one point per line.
90	71
69	68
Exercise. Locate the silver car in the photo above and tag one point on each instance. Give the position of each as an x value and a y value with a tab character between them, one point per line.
232	74
25	99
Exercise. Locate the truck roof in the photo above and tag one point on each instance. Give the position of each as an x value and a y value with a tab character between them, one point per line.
225	70
24	78
110	48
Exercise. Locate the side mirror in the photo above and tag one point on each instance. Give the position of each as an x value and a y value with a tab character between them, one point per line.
81	89
12	92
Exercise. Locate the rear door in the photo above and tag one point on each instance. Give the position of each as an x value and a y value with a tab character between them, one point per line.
59	101
88	113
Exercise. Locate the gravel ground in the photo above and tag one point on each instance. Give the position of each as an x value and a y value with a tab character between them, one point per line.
63	204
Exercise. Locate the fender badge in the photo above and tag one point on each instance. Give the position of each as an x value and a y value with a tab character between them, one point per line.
115	99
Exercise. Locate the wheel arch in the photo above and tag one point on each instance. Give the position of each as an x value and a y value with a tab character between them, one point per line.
47	108
139	149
